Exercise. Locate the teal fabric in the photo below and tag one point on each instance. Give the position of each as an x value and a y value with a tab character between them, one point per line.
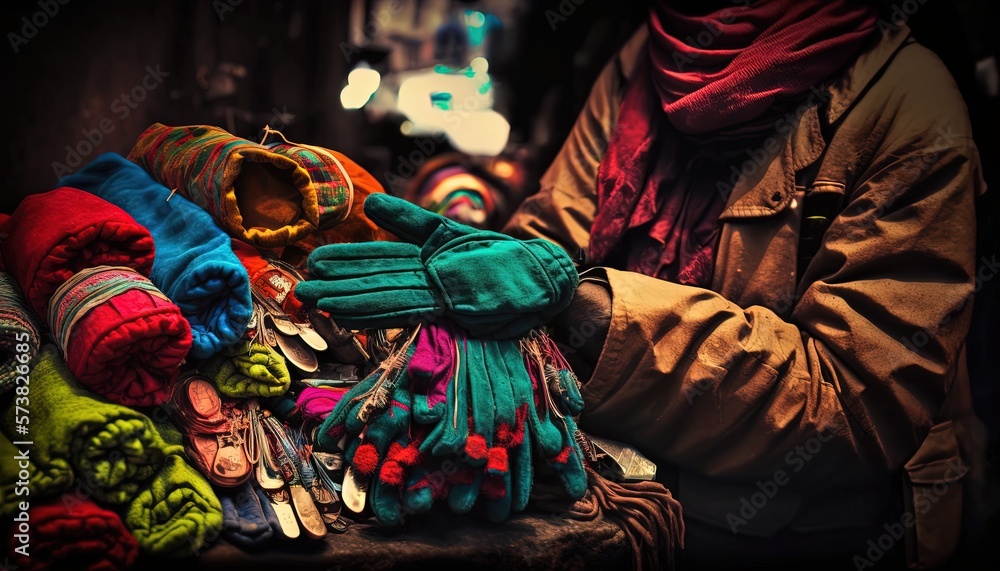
333	427
552	434
462	497
490	284
507	431
448	437
194	265
386	429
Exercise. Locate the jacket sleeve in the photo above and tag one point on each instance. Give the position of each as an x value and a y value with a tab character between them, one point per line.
863	364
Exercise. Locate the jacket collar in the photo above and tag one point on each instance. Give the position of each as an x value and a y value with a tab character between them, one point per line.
767	184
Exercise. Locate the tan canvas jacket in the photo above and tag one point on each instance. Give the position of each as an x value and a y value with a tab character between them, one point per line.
819	387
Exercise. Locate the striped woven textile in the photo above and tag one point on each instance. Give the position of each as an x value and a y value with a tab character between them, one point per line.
18	332
334	188
204	164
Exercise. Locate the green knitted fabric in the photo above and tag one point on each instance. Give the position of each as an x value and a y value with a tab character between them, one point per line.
57	477
112	449
176	513
248	370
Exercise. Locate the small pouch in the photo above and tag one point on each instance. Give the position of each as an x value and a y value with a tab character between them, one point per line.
932	492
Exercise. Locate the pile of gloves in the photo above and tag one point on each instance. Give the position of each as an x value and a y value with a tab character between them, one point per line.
450	417
462	406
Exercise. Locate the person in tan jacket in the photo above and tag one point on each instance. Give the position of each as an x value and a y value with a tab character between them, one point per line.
775	201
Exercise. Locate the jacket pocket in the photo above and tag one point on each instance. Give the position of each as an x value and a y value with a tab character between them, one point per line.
932	499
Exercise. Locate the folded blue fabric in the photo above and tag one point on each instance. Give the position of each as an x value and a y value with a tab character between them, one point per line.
244	522
194	264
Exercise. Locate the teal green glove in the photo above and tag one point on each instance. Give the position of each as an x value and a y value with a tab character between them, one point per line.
553	431
379	448
479	441
452	429
490	284
508	447
334	426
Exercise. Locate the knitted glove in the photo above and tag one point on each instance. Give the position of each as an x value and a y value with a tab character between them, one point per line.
554	431
462	496
449	434
431	370
334	427
509	454
375	414
490	284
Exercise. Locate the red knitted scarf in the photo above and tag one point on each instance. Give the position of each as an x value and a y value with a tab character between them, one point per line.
706	75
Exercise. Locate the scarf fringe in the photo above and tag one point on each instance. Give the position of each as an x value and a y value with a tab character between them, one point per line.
651	519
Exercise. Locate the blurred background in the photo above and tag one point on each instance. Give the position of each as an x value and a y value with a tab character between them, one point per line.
490	87
458	104
391	83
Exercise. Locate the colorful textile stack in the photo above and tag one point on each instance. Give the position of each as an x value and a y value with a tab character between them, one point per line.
72	533
18	334
195	265
48	241
122	338
342	186
256	195
111	448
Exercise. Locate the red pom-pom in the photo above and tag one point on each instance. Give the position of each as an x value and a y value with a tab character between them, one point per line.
366	459
475	447
394	449
496	460
408	455
391	474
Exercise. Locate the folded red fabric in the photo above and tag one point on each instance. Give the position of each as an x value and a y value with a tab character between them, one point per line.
123	338
53	235
70	533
